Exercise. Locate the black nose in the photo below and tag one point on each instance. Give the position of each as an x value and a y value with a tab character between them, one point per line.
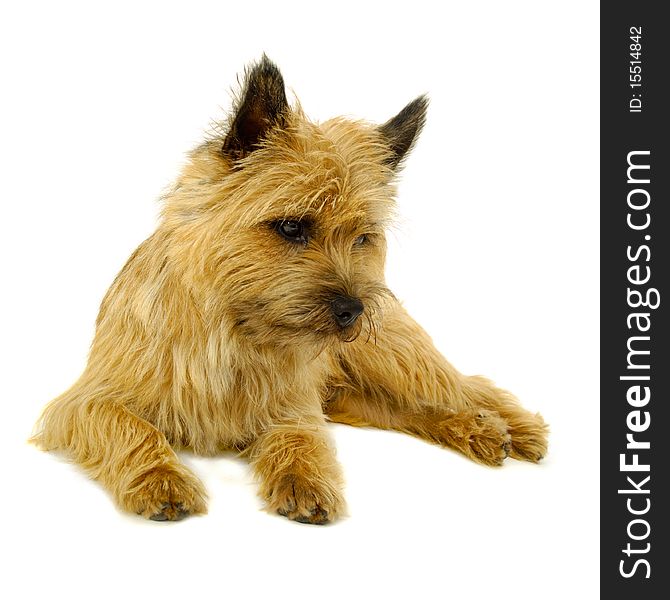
346	310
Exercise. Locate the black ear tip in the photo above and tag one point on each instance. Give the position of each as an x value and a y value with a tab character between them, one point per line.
421	102
402	130
416	110
266	63
265	70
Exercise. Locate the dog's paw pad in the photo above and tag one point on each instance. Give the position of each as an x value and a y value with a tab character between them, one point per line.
170	512
317	516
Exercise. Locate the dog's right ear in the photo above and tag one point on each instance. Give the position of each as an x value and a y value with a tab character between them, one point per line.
401	132
261	106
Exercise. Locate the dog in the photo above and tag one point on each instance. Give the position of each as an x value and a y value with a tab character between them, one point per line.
257	312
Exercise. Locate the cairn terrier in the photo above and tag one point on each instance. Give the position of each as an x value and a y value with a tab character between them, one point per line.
257	312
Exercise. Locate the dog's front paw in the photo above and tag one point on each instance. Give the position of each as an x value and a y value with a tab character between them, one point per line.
529	437
481	435
489	440
307	501
165	493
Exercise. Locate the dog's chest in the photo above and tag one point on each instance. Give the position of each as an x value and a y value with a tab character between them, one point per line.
238	398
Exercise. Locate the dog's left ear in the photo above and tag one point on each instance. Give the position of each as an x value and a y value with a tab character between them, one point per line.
261	106
401	131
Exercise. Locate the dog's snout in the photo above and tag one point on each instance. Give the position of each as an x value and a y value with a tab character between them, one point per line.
346	310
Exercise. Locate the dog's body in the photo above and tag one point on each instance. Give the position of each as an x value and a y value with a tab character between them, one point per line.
257	311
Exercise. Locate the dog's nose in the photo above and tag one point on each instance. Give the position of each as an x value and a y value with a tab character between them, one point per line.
346	310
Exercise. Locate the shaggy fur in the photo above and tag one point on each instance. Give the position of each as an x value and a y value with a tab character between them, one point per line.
222	331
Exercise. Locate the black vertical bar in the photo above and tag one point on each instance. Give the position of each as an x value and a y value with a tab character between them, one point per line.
635	261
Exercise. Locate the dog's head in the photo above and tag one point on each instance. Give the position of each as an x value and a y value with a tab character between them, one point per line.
281	221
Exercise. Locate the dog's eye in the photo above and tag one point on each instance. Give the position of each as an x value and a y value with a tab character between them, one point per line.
361	240
294	231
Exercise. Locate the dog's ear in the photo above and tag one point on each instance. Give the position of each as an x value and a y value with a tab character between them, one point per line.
401	131
261	106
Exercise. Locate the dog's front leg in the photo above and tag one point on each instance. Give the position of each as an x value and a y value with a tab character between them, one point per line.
124	452
398	380
298	472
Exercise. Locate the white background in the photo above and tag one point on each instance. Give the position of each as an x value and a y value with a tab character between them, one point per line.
495	253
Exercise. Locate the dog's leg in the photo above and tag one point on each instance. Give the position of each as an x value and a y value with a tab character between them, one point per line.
127	454
400	381
298	472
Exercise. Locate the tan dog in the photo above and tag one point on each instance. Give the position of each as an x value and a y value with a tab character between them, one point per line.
257	311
